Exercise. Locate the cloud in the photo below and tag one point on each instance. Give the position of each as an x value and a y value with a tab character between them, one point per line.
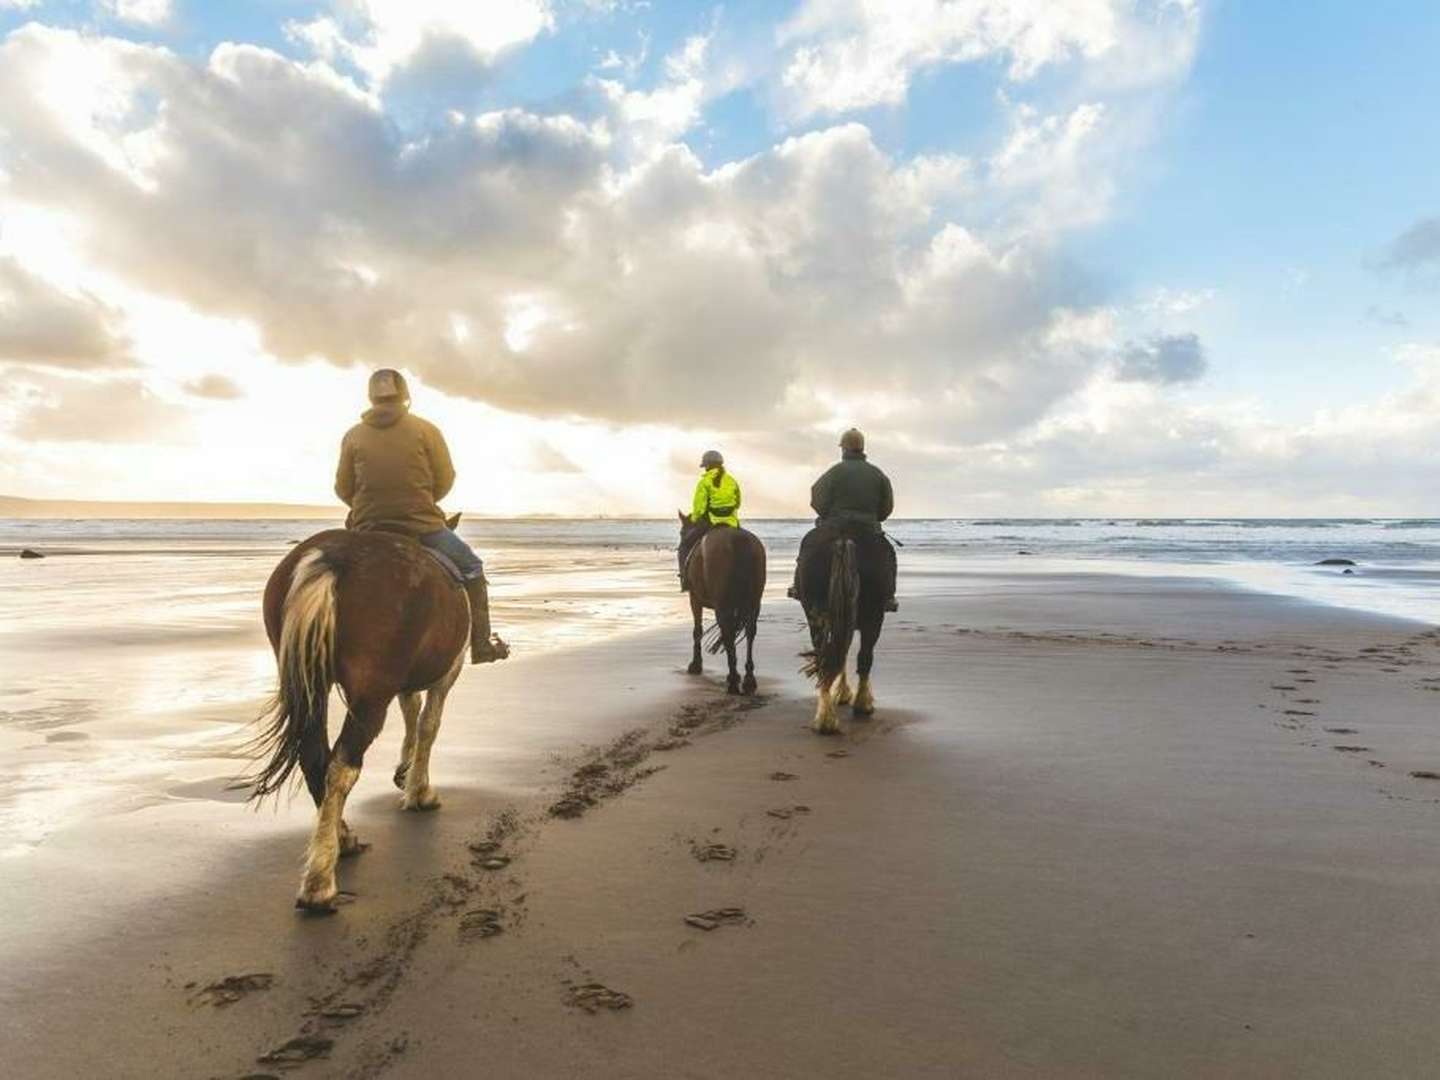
139	12
54	408
41	324
212	385
1380	317
544	458
845	55
384	37
1416	250
1163	359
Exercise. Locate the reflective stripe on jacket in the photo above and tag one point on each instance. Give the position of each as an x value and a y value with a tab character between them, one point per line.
718	502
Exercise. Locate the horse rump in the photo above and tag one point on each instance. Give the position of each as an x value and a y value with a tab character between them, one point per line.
293	725
833	623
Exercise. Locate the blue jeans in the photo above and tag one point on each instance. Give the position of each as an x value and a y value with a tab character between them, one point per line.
449	544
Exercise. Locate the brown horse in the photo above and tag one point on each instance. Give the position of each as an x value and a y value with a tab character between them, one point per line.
374	614
845	585
726	573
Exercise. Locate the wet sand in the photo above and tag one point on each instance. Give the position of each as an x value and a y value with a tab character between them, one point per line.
1100	826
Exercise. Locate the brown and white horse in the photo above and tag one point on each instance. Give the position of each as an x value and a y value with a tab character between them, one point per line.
371	613
726	573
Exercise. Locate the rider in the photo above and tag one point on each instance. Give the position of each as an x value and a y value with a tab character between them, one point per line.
716	502
394	469
854	497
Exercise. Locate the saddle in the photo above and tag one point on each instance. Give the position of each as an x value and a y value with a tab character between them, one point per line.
446	564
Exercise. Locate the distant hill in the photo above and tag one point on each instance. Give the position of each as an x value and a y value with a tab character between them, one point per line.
12	507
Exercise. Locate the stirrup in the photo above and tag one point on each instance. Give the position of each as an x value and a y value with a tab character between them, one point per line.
793	593
891	604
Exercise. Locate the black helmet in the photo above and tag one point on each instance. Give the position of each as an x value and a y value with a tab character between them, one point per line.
387	384
711	459
854	439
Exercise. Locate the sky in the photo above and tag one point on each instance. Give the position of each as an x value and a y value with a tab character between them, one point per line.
1054	257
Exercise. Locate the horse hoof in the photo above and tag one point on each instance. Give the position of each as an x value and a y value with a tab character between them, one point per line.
353	846
748	686
732	687
862	712
316	905
400	771
695	668
422	805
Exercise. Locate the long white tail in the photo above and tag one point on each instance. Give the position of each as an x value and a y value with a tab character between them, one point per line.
306	662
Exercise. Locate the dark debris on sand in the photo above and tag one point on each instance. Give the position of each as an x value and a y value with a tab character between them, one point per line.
232	988
709	920
592	997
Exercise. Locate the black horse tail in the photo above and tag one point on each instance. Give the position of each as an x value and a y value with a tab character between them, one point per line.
294	722
739	605
841	615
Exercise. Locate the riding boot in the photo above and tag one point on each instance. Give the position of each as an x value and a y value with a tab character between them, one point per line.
483	650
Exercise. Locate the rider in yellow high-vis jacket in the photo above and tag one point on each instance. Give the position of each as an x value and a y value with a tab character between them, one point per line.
716	503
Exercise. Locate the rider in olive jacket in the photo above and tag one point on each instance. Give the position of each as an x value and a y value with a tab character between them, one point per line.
394	469
852	497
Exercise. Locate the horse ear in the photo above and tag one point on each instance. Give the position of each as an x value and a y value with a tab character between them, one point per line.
681	515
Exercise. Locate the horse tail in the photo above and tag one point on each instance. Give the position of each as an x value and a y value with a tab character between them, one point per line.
738	602
305	658
841	614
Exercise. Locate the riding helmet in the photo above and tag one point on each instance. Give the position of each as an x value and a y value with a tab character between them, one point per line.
711	459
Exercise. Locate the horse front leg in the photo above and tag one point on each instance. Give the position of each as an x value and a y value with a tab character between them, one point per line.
317	883
410	707
870	627
697	612
419	795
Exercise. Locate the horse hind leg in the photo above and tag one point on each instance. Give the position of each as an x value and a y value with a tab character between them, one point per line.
748	686
728	631
317	883
826	720
410	707
419	795
697	612
864	704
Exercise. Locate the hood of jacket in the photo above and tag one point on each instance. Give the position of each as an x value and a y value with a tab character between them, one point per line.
386	414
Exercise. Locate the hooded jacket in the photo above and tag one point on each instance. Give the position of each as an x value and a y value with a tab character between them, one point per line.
394	468
717	498
853	491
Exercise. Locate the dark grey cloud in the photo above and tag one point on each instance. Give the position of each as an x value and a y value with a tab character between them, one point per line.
212	385
40	324
1415	249
1163	359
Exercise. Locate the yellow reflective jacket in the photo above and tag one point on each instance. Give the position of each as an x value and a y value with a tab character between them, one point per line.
719	502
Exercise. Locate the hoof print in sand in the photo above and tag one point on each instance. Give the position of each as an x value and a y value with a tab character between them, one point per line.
233	987
778	775
838	753
1425	774
484	847
714	852
571	805
592	997
1351	749
495	862
345	1010
482	923
1341	731
709	920
785	813
299	1050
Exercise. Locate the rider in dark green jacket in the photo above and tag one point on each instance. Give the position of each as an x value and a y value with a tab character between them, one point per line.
854	497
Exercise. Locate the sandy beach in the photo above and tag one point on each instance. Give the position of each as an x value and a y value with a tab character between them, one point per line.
1100	826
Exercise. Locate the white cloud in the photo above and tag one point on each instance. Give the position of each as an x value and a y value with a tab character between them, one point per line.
382	36
845	55
139	12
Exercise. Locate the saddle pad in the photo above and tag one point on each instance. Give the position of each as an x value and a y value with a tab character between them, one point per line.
446	564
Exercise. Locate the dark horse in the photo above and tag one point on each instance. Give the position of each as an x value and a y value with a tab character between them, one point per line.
726	573
375	614
844	585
